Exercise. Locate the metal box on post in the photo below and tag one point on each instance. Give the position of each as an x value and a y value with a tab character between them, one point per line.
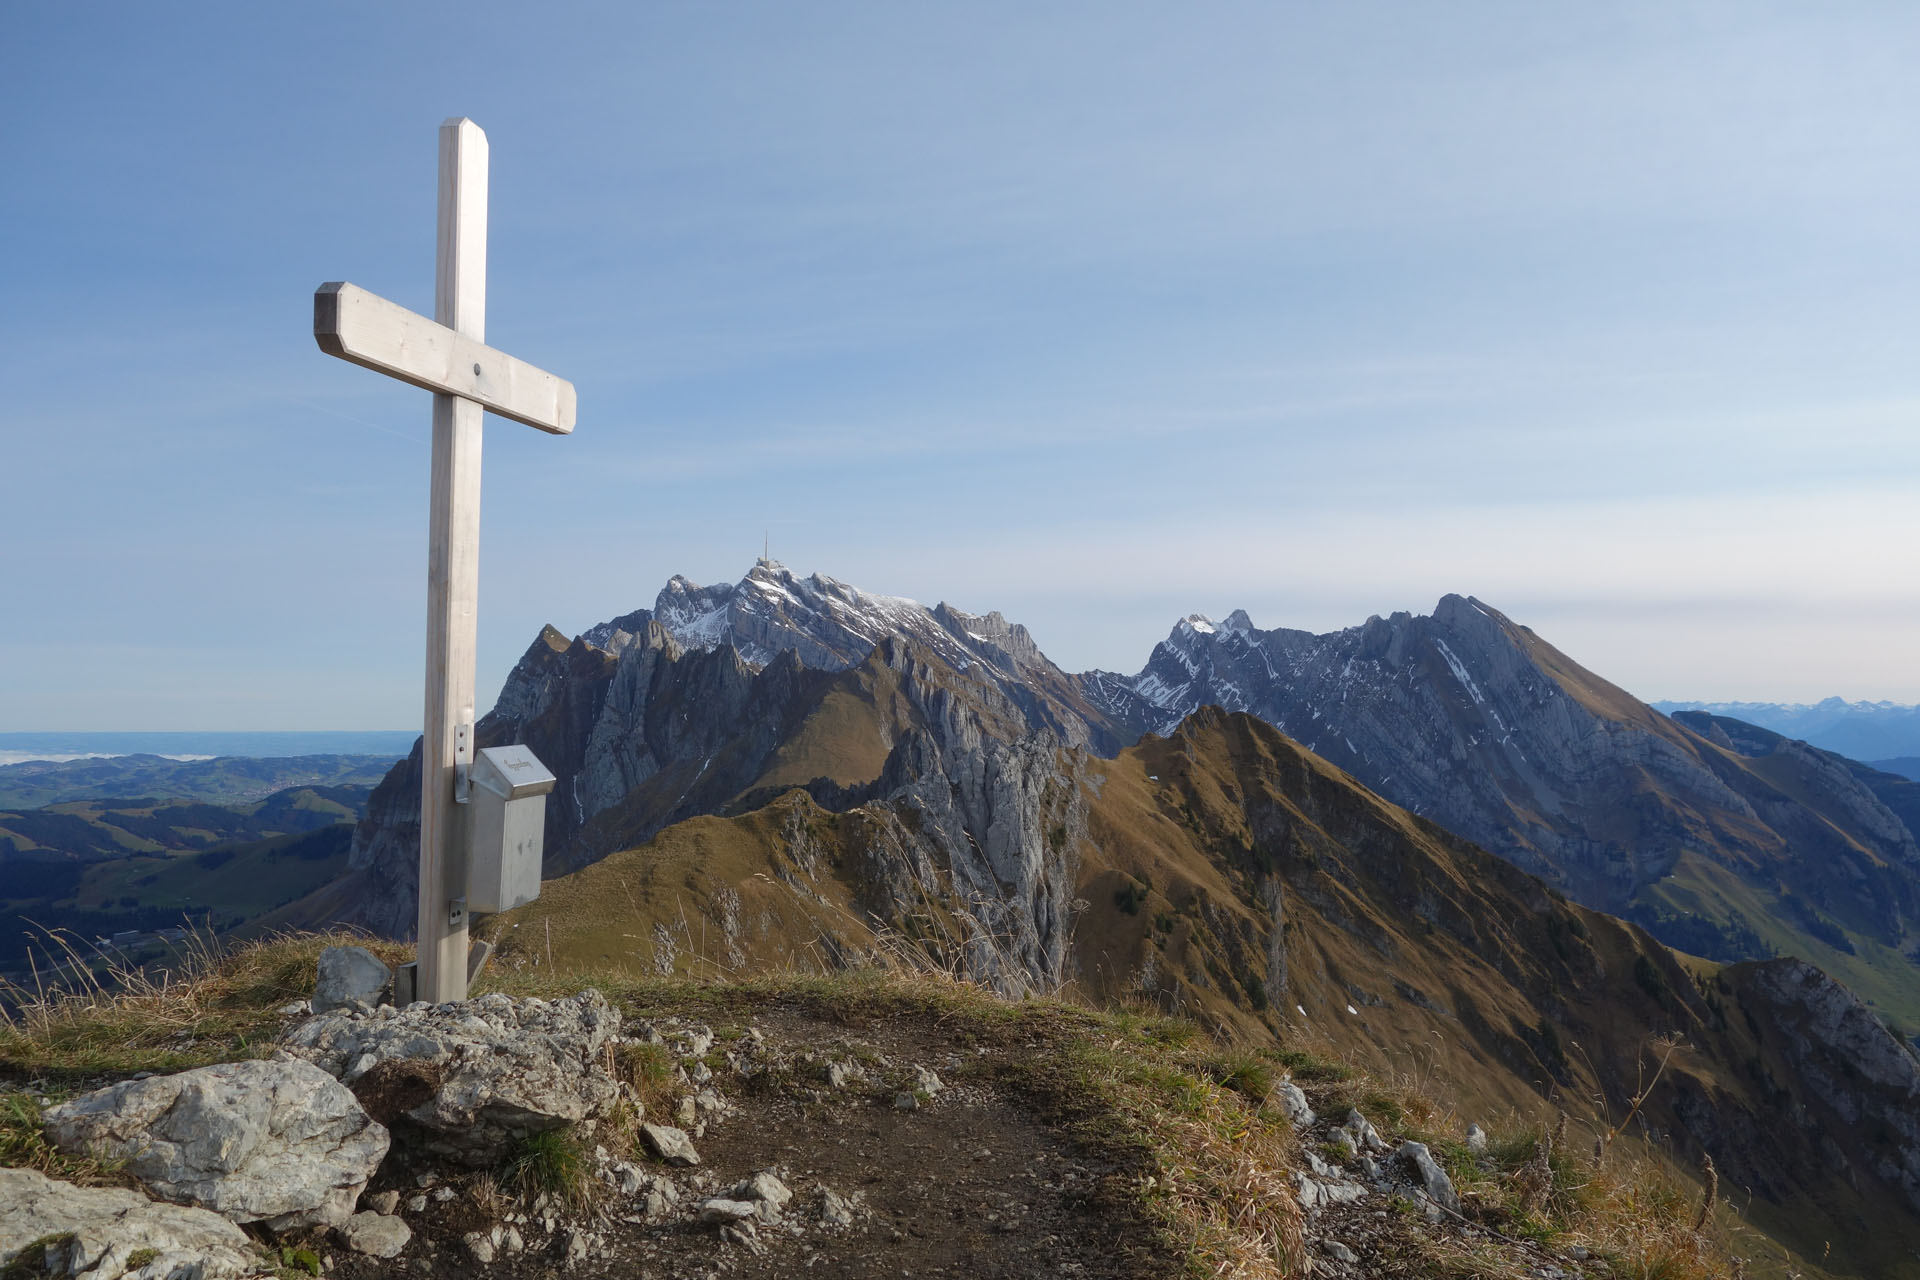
508	799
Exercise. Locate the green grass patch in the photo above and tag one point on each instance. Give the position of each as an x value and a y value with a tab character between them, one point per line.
299	1262
554	1162
1248	1074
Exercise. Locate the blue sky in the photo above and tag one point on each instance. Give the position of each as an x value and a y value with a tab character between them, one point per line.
1096	314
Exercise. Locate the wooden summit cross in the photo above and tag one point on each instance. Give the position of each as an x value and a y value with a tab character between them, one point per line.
448	356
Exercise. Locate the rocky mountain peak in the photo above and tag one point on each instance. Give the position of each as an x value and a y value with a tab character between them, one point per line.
827	625
1195	622
830	625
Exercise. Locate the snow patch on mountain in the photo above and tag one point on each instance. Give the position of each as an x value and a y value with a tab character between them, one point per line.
1460	672
829	625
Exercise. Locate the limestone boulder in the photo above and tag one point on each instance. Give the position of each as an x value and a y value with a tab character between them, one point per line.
670	1144
379	1235
347	975
1293	1101
278	1142
96	1232
1433	1179
466	1080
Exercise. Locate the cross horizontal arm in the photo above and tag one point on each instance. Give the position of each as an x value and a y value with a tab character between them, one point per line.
365	328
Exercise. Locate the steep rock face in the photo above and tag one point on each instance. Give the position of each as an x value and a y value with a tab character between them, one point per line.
549	702
830	625
1000	817
635	731
1468	719
660	714
967	839
656	734
951	832
1900	795
1854	1086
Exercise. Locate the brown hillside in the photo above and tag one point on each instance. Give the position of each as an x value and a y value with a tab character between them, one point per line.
1225	873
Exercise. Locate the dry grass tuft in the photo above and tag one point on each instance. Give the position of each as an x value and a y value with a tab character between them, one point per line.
89	1014
646	1069
1640	1218
1222	1161
24	1146
1633	1214
1535	1183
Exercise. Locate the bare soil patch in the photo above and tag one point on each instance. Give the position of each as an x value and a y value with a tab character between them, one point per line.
980	1176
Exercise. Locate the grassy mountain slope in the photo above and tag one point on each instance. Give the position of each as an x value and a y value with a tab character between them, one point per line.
1474	720
1225	874
101	867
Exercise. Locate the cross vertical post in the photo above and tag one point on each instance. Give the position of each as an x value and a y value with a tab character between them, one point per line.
453	573
448	356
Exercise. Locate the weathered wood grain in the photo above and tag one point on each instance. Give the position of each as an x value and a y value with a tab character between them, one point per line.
453	570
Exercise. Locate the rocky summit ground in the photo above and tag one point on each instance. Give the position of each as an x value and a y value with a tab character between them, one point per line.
858	1124
900	1151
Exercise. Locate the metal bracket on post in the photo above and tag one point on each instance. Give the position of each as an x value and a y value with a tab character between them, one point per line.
462	762
457	914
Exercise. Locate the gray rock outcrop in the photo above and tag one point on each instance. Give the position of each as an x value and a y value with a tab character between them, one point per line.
377	1235
1293	1101
1433	1179
278	1142
993	817
671	1144
719	1209
1366	1139
98	1231
466	1080
1859	1098
349	975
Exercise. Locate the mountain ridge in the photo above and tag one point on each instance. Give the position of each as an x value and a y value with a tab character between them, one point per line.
713	811
1226	874
1464	716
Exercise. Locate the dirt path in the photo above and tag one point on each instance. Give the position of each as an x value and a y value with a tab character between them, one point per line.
888	1176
